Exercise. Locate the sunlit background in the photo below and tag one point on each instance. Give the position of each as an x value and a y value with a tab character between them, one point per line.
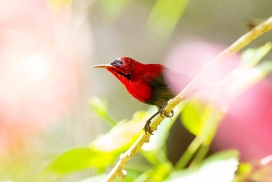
47	50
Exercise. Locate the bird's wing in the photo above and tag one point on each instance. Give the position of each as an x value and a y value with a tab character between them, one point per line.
155	80
167	79
175	80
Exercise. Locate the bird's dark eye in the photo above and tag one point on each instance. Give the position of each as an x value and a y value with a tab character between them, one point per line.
117	62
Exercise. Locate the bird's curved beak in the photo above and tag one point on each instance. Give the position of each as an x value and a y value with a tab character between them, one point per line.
102	66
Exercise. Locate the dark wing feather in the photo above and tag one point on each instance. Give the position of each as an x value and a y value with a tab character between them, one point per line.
175	80
165	86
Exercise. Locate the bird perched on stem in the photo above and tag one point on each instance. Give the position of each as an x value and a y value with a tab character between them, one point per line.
152	84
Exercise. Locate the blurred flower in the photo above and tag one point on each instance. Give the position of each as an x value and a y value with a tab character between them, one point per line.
190	57
247	125
39	69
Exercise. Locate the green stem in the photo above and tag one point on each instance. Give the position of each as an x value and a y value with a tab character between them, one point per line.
109	120
188	154
200	155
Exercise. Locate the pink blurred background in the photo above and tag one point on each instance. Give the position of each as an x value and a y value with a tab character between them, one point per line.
41	70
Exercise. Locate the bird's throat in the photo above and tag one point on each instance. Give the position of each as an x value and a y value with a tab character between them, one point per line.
127	76
119	74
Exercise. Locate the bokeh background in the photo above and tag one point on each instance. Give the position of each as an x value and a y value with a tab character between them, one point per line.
48	48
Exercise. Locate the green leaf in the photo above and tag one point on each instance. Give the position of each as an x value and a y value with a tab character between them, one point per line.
79	159
222	156
122	135
157	173
193	116
251	56
165	15
244	171
113	8
219	167
161	171
101	110
201	119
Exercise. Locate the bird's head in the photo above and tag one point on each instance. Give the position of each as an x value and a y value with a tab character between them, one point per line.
120	67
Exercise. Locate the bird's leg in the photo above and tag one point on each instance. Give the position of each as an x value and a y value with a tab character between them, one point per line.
147	124
163	112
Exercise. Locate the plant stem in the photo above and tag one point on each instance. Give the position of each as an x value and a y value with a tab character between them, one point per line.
189	153
200	155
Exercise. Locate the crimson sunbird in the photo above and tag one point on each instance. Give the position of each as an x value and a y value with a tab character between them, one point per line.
152	84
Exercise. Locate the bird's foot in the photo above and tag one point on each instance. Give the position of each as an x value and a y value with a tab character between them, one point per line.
147	128
163	113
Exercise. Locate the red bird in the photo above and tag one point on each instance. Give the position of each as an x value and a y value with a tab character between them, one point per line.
152	84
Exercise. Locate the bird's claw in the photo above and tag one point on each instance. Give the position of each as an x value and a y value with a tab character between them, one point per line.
163	113
147	127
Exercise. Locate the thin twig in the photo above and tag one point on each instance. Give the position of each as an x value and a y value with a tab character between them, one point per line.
118	170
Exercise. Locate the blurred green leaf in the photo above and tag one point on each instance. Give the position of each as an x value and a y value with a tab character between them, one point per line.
161	172
253	56
79	159
193	116
243	172
164	16
113	8
242	78
245	168
218	167
157	173
265	67
101	110
222	156
122	135
201	119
